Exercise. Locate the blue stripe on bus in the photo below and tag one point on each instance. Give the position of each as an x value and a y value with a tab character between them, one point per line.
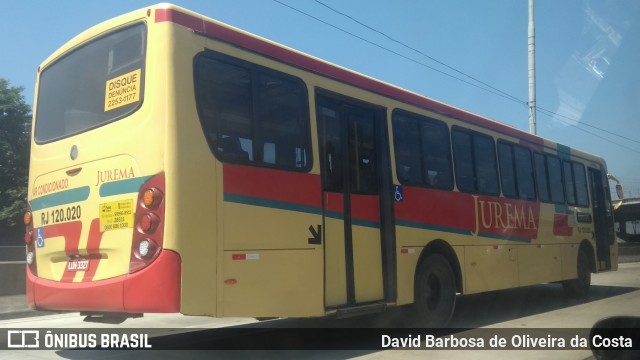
334	215
60	198
505	237
281	205
274	204
563	209
125	186
365	223
424	226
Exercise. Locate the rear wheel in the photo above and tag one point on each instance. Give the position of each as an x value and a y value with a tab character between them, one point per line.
435	293
579	287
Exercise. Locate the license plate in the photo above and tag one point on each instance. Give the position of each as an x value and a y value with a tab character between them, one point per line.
79	264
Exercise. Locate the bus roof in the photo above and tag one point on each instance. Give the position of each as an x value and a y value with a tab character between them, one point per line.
166	12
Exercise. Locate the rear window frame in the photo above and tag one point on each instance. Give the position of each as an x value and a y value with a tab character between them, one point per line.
138	104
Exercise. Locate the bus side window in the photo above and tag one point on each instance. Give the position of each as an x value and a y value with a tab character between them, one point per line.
570	188
524	173
436	153
541	177
582	195
407	145
282	120
575	184
556	181
330	139
516	171
463	160
231	149
422	150
362	155
507	169
251	114
475	162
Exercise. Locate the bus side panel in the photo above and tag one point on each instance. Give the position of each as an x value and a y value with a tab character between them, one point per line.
273	283
335	272
408	253
367	273
539	263
411	243
569	261
272	242
191	183
491	267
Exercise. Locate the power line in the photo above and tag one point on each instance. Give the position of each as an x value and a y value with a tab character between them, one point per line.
485	86
420	52
556	115
498	93
465	74
551	114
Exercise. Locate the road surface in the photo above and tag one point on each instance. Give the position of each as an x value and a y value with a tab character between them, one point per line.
532	310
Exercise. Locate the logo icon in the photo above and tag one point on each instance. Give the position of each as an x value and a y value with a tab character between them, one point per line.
74	152
23	339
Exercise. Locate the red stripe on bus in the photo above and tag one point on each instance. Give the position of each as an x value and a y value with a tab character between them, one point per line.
93	250
71	233
155	288
323	68
178	17
476	214
365	207
441	208
334	202
561	225
286	186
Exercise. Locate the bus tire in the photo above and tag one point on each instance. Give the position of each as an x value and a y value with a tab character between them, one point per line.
435	291
579	288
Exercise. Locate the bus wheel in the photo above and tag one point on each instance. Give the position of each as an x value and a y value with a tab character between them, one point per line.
579	288
435	295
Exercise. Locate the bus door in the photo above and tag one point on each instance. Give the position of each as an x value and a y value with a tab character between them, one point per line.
352	151
602	217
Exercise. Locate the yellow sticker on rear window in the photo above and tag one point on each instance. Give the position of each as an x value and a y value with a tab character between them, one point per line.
122	90
116	215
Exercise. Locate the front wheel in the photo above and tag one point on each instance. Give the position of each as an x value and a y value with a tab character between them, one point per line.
435	291
579	288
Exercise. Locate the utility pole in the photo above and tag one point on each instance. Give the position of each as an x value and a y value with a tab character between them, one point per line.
532	72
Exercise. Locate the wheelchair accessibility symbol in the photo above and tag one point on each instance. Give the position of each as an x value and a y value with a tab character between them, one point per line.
40	237
398	193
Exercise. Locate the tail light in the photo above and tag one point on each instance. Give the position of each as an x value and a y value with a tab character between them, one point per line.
149	224
29	241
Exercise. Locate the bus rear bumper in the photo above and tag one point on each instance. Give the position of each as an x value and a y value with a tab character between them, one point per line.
154	289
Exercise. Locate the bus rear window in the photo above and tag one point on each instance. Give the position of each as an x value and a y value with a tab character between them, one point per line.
99	82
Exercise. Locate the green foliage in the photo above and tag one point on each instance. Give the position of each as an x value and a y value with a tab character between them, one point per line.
14	153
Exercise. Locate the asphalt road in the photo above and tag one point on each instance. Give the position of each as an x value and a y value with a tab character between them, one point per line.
533	311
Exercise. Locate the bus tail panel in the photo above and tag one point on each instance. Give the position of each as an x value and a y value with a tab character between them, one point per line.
156	289
83	219
95	241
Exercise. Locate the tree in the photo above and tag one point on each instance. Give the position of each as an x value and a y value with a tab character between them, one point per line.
14	154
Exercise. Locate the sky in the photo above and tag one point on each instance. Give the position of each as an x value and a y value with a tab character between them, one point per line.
469	54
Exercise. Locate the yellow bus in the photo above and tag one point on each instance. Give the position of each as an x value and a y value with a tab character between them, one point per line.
179	164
